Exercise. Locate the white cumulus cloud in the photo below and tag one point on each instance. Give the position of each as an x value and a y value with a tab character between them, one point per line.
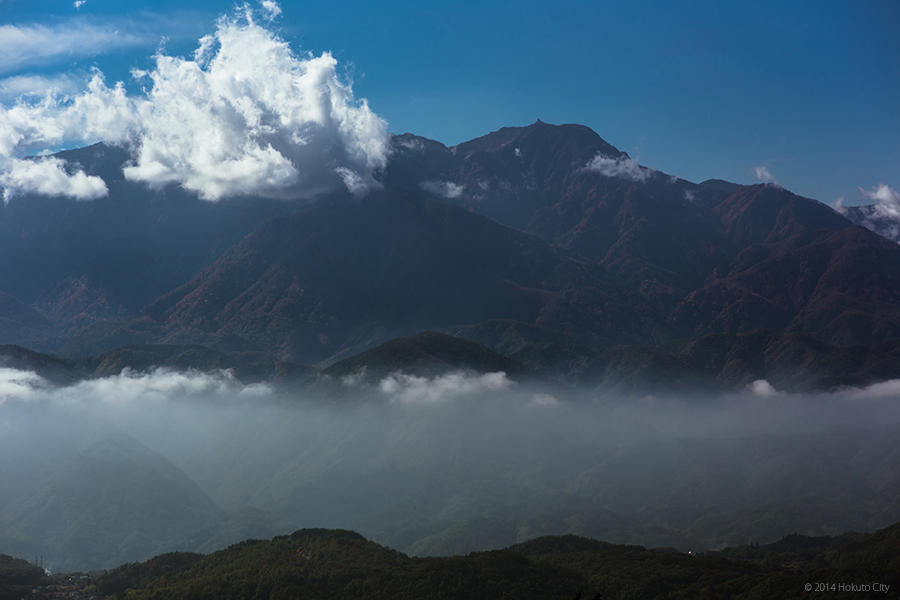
244	115
12	88
98	113
48	176
27	45
621	167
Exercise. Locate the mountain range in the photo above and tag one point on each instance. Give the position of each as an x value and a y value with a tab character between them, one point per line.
543	244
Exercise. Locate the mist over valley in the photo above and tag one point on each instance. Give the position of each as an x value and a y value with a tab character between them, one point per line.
120	468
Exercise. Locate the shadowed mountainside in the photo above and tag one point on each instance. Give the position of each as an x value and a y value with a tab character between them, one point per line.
341	276
712	258
78	263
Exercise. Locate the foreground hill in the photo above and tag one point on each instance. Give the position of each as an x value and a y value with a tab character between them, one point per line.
18	577
321	563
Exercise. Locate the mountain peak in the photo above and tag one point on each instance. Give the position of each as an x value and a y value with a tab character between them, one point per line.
568	138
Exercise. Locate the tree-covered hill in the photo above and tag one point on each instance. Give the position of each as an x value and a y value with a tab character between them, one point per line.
337	564
17	577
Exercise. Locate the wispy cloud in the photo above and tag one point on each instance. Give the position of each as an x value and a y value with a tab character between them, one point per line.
763	174
23	46
412	144
444	189
271	9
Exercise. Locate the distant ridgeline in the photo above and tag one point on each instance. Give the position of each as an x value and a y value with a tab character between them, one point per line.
318	563
543	244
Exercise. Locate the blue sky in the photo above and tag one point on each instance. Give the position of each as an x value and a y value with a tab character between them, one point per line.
809	90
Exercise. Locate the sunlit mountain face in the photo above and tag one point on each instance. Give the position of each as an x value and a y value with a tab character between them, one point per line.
237	301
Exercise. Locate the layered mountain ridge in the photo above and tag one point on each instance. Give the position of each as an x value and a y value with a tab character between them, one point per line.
547	228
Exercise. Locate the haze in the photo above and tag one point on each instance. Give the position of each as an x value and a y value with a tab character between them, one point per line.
161	461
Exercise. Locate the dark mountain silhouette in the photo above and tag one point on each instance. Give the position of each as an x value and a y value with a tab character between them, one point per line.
668	238
52	368
711	258
81	262
544	243
539	348
535	179
246	366
425	354
344	275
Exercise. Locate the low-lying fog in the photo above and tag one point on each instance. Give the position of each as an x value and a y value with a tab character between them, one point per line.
121	468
